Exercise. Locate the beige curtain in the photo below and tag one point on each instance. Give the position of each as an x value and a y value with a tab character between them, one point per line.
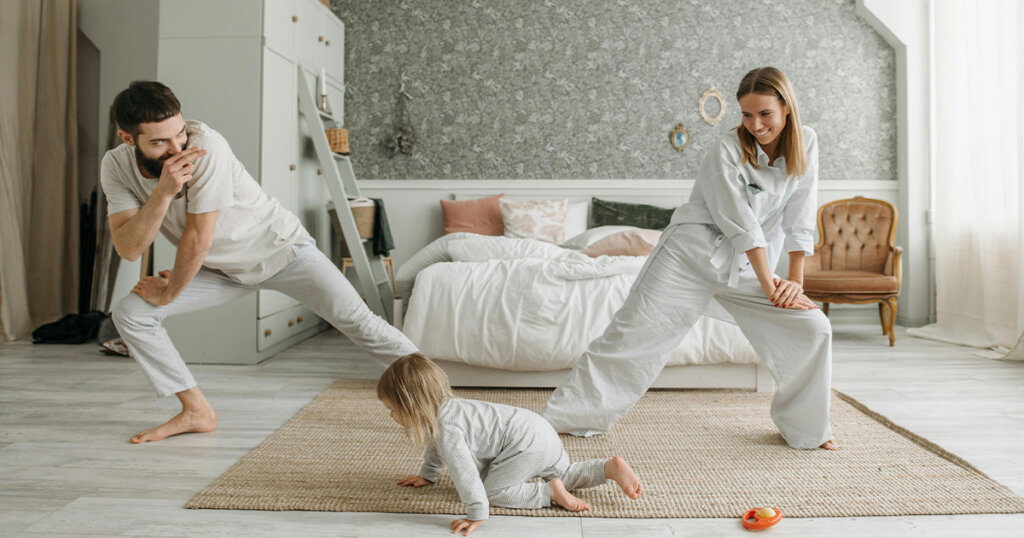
38	164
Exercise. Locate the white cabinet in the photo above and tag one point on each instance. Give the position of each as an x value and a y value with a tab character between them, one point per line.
232	64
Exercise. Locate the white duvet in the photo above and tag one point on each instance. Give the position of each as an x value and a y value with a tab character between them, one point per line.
520	304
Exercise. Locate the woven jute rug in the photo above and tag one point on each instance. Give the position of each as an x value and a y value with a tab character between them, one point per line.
698	453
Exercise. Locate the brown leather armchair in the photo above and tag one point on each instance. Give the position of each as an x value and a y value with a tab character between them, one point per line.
855	260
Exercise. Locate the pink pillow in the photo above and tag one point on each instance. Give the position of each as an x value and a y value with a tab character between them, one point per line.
481	216
637	242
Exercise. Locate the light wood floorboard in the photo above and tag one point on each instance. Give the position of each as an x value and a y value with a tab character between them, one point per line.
67	469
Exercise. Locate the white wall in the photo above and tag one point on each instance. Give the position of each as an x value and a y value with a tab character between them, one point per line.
905	25
127	52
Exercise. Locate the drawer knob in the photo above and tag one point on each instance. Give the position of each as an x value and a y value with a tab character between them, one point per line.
319	38
292	167
291	323
300	319
328	42
319	172
266	333
295	18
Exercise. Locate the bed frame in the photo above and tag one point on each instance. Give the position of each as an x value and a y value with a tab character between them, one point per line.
725	375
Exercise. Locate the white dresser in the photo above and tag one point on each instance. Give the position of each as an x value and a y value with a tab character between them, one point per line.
232	64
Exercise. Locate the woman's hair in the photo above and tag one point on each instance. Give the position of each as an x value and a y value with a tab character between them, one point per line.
144	101
771	81
415	387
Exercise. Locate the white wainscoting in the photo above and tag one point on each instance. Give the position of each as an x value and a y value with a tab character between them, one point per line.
414	209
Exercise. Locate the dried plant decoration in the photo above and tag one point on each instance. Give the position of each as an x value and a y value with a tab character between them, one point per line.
403	136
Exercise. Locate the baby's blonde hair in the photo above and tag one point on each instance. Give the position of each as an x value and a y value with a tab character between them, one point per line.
415	387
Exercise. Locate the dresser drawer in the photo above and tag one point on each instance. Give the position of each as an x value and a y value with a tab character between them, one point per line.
283	325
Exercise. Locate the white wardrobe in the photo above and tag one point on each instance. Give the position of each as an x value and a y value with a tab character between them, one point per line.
233	65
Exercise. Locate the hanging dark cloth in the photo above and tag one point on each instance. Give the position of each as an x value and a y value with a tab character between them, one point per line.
383	242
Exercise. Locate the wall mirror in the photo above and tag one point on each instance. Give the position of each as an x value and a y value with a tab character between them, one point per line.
712	93
679	137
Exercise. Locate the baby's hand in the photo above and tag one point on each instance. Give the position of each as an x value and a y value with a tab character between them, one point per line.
467	524
414	481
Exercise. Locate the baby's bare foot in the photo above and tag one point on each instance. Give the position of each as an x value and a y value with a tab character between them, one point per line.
184	422
830	445
562	497
618	470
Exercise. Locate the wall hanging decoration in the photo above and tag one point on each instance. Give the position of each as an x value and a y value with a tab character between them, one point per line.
679	137
403	136
712	92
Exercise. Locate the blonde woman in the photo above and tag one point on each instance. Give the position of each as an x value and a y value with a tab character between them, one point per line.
755	194
491	450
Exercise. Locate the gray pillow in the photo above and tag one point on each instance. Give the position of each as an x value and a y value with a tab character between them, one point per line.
607	213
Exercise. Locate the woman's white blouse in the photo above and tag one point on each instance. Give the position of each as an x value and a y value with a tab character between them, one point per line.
753	207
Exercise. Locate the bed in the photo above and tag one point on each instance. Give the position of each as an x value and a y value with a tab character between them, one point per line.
504	312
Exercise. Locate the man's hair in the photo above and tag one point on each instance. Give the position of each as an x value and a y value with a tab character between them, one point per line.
145	101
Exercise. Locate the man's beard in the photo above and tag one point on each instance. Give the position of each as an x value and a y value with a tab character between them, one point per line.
154	167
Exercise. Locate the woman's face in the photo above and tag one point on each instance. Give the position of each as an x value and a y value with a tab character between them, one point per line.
764	116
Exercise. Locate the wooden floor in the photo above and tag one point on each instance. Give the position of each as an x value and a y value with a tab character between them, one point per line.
67	469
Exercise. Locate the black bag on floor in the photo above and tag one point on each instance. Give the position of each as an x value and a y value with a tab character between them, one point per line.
71	329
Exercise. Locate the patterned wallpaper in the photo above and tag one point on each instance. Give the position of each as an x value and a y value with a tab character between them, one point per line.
563	89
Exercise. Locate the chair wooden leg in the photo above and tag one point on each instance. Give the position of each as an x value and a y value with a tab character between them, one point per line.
824	308
881	316
893	305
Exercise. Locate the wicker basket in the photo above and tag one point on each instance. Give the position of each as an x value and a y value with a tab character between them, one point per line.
363	211
338	140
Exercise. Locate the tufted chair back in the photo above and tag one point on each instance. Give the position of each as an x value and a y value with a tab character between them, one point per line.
855	260
856	234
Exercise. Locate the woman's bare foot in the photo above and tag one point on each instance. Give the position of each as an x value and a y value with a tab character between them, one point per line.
830	445
562	497
196	417
618	470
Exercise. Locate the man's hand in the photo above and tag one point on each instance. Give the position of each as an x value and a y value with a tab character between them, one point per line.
465	524
154	289
178	170
415	481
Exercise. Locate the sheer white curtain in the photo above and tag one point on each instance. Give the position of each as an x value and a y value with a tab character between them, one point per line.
979	173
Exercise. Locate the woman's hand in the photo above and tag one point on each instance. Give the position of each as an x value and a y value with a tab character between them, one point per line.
414	481
467	524
786	293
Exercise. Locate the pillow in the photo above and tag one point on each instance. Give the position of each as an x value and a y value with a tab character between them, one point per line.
593	235
576	218
604	212
481	216
627	243
481	249
543	220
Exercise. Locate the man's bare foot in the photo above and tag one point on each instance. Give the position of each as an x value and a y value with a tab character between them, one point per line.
196	417
618	470
830	445
562	497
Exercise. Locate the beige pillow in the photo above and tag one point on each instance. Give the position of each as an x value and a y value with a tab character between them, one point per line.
543	220
481	216
637	242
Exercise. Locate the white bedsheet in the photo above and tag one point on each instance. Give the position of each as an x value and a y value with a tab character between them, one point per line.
519	304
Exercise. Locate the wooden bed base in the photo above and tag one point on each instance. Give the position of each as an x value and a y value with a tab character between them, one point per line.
700	376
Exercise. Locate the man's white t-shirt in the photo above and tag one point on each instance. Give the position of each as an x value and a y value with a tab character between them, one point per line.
254	235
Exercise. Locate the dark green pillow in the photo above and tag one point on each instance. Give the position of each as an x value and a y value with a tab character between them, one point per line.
605	213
